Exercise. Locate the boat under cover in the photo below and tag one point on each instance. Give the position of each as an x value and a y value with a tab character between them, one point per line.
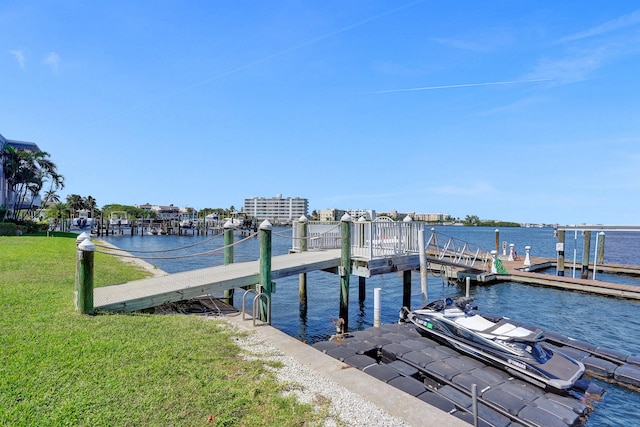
519	350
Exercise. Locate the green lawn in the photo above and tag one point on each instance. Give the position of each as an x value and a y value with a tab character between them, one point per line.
60	368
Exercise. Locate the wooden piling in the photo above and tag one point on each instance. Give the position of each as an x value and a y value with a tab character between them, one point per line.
302	277
560	250
345	268
265	270
84	277
362	288
228	256
406	289
600	257
585	255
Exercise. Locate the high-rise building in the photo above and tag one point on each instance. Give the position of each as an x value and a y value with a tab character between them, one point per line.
276	209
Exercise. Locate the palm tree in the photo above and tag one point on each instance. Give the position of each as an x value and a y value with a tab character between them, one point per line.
56	212
26	172
50	197
75	203
90	204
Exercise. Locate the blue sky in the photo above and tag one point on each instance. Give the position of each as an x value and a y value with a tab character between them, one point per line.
523	111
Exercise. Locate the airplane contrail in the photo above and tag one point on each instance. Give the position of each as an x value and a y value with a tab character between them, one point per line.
265	59
415	89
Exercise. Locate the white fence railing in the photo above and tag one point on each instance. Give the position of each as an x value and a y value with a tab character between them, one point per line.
373	239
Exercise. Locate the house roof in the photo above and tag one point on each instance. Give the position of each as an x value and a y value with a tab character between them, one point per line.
20	145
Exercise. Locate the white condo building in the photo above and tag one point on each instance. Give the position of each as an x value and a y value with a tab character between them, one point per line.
277	209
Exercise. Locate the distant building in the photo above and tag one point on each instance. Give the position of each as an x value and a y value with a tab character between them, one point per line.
6	194
276	209
327	215
355	214
168	212
431	217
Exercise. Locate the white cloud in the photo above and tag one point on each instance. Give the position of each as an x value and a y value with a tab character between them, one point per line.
609	26
19	55
52	59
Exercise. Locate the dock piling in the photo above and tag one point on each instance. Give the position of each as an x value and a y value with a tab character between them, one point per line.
302	277
600	246
585	255
424	267
345	268
560	251
84	275
228	256
376	307
265	270
406	289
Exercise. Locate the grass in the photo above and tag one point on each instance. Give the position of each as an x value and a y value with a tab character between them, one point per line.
61	368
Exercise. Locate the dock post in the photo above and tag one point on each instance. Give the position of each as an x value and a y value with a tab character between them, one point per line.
406	289
376	307
497	239
228	256
599	256
344	269
585	255
467	286
424	267
601	248
265	269
527	258
304	246
560	250
511	250
84	275
362	289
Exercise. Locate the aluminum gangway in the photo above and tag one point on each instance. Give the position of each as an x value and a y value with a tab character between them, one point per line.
385	238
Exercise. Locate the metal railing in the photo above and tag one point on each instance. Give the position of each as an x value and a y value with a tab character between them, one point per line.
447	248
379	239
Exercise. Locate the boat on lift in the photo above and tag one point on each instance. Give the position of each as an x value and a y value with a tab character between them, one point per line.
519	350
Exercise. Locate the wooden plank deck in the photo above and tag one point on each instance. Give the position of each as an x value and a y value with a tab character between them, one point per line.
516	274
154	291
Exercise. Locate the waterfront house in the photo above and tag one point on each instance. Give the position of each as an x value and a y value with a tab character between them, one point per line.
7	195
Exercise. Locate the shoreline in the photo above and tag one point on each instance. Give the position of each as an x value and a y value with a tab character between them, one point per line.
128	258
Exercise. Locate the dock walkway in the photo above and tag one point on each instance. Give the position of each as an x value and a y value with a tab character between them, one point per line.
518	274
155	291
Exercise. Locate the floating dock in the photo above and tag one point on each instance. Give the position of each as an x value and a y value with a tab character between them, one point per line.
532	275
440	376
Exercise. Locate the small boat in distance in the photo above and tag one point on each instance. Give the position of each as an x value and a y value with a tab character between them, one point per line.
119	219
516	349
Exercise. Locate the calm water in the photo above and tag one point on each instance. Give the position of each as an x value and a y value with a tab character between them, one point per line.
607	322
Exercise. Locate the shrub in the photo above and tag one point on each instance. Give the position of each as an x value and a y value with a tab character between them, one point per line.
8	229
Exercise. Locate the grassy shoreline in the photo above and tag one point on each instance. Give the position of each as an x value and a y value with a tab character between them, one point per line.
61	368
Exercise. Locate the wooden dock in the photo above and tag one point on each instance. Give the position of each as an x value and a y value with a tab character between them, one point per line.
155	291
518	273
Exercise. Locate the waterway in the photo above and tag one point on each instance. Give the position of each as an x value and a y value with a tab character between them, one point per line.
607	322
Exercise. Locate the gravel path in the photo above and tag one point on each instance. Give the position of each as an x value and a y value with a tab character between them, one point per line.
345	408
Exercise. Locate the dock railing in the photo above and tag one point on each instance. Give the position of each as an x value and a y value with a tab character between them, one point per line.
455	251
384	238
